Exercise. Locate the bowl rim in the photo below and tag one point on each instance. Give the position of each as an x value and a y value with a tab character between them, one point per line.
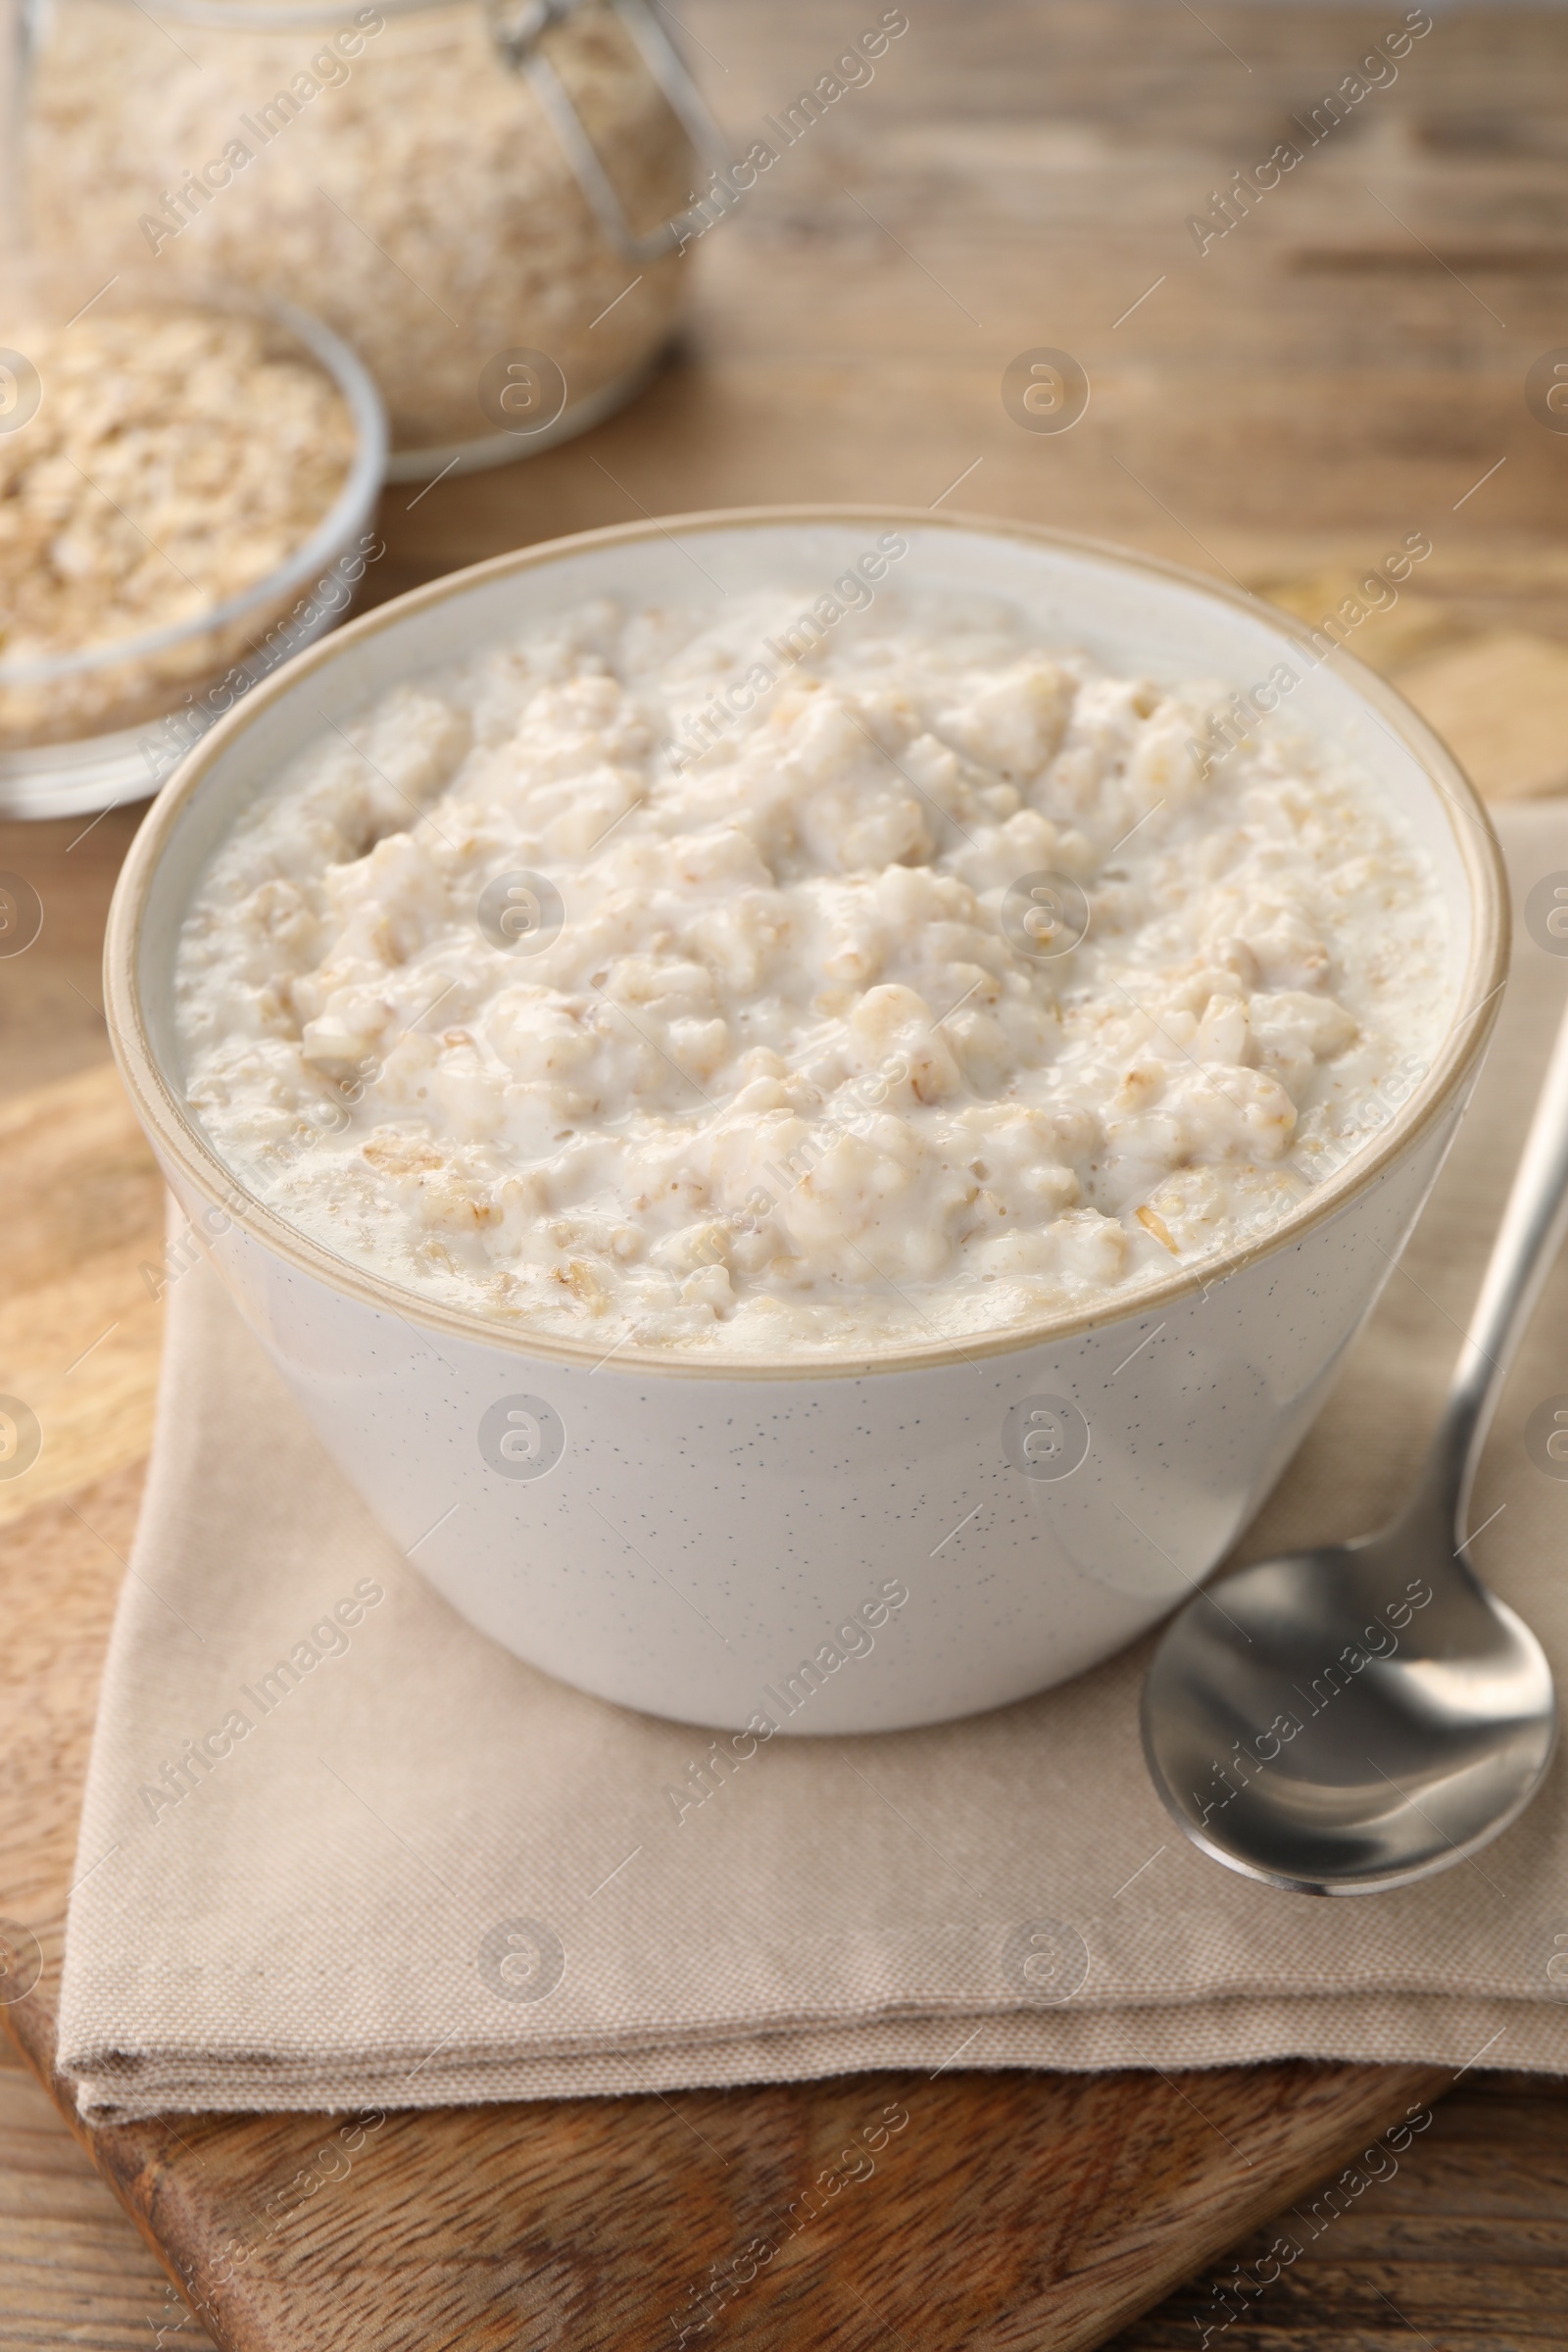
328	539
186	1152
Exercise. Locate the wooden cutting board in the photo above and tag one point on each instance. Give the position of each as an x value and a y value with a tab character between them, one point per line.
1011	2210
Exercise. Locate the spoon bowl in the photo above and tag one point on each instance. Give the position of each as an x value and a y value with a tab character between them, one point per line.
1344	1720
1337	1722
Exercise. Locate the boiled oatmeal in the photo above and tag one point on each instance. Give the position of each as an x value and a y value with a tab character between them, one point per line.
728	980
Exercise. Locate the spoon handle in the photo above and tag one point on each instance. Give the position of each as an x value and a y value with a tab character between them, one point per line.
1527	1240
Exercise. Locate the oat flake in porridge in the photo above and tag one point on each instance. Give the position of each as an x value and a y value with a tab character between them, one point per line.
769	1060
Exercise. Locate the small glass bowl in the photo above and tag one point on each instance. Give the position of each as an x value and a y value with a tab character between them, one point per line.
84	731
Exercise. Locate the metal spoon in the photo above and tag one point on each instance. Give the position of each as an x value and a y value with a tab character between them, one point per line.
1345	1719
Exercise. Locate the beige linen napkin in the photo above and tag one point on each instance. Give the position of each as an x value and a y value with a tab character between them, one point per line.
430	1874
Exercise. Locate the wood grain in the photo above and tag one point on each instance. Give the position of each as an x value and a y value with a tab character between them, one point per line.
79	1322
1333	374
51	994
74	2272
1009	2211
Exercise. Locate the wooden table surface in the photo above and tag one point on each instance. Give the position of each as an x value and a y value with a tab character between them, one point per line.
1345	366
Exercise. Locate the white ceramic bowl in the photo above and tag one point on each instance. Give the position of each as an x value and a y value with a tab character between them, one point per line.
844	1547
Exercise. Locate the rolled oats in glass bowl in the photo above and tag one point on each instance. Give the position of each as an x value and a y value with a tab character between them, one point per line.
187	495
483	197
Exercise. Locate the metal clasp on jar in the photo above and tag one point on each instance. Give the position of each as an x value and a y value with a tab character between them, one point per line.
518	26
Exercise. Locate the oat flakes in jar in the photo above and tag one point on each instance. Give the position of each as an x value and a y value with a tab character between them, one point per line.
484	199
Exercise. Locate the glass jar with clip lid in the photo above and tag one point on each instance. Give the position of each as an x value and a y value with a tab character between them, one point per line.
484	198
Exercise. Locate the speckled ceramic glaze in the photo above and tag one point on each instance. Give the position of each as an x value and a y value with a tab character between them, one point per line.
835	1547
